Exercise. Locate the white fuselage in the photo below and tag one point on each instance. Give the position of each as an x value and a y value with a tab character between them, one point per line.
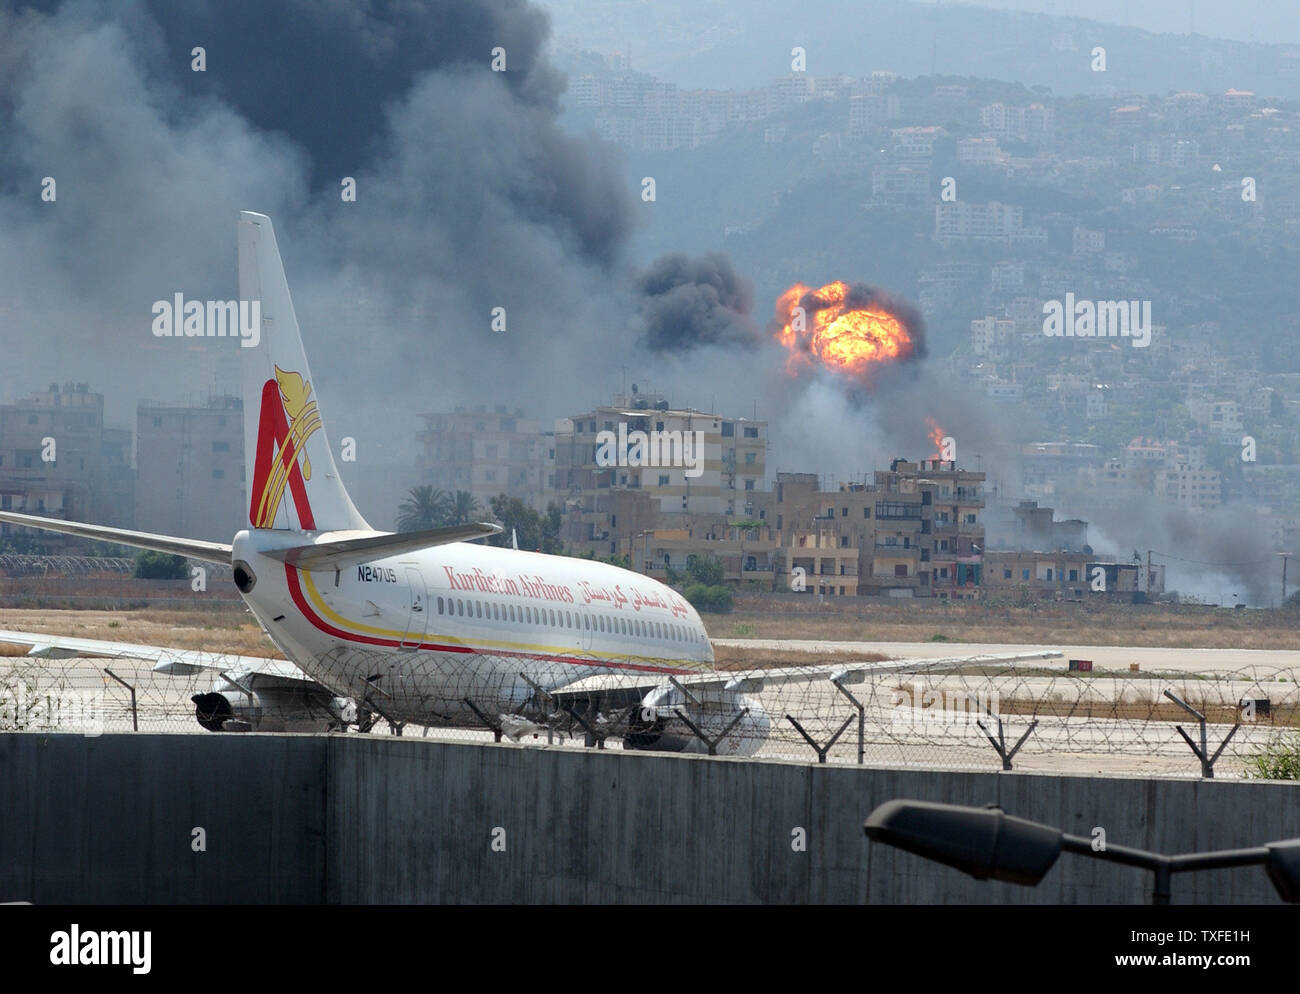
425	635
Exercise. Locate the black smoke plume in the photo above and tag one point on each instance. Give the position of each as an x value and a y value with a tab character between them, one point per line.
688	302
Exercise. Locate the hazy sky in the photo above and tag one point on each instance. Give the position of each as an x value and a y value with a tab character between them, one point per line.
1239	20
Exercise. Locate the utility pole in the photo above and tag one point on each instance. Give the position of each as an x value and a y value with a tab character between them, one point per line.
1148	574
1284	556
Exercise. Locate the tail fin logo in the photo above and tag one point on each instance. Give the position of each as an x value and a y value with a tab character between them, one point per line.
286	421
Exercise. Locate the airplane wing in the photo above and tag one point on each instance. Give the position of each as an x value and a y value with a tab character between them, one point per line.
173	662
337	550
211	552
752	681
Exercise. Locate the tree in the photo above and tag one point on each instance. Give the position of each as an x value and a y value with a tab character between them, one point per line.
715	599
463	508
704	570
424	508
536	532
160	566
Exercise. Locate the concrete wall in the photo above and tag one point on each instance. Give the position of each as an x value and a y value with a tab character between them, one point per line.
380	819
109	819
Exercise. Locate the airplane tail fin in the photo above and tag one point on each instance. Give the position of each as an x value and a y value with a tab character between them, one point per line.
291	481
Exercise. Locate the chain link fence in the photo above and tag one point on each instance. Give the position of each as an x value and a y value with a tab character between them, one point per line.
973	716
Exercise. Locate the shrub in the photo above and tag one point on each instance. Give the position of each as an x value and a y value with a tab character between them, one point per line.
1280	760
715	599
160	566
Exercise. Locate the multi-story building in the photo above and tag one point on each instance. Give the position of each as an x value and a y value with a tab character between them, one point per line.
979	152
992	221
58	459
1058	573
916	143
900	184
916	531
190	469
485	452
688	461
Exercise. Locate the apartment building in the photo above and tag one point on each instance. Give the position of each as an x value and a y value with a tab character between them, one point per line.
485	451
190	469
58	459
688	461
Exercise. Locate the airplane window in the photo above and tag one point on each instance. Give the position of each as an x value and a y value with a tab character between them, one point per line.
478	609
460	606
600	620
568	619
440	605
622	625
586	622
496	613
511	609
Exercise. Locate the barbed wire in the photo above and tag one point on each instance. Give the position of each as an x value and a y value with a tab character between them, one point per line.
18	565
1107	722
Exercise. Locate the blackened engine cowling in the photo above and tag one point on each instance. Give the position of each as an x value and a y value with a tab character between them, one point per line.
662	729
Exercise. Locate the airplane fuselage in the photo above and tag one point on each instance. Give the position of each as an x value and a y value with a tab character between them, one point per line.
430	636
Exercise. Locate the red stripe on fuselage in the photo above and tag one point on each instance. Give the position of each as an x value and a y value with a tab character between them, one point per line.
295	591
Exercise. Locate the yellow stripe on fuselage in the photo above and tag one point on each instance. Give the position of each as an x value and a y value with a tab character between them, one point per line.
549	650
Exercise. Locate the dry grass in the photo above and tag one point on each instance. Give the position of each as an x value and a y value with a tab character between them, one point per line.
729	657
213	631
1155	625
222	629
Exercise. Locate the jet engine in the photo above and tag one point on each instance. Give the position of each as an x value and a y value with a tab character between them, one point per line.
274	709
660	723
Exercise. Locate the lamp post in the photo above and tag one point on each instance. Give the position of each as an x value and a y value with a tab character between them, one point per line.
645	551
990	844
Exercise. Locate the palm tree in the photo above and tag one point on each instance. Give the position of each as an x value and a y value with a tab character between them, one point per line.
463	508
424	508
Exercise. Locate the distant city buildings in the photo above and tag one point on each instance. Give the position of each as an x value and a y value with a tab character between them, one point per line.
190	469
486	452
59	460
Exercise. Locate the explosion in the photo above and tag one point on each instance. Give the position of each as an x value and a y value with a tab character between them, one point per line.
852	328
936	436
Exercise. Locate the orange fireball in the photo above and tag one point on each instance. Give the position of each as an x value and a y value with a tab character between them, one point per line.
846	328
936	436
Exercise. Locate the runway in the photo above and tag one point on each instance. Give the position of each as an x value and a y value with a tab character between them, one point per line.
1108	657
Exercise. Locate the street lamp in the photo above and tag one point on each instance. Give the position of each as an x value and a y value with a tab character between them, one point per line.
990	844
